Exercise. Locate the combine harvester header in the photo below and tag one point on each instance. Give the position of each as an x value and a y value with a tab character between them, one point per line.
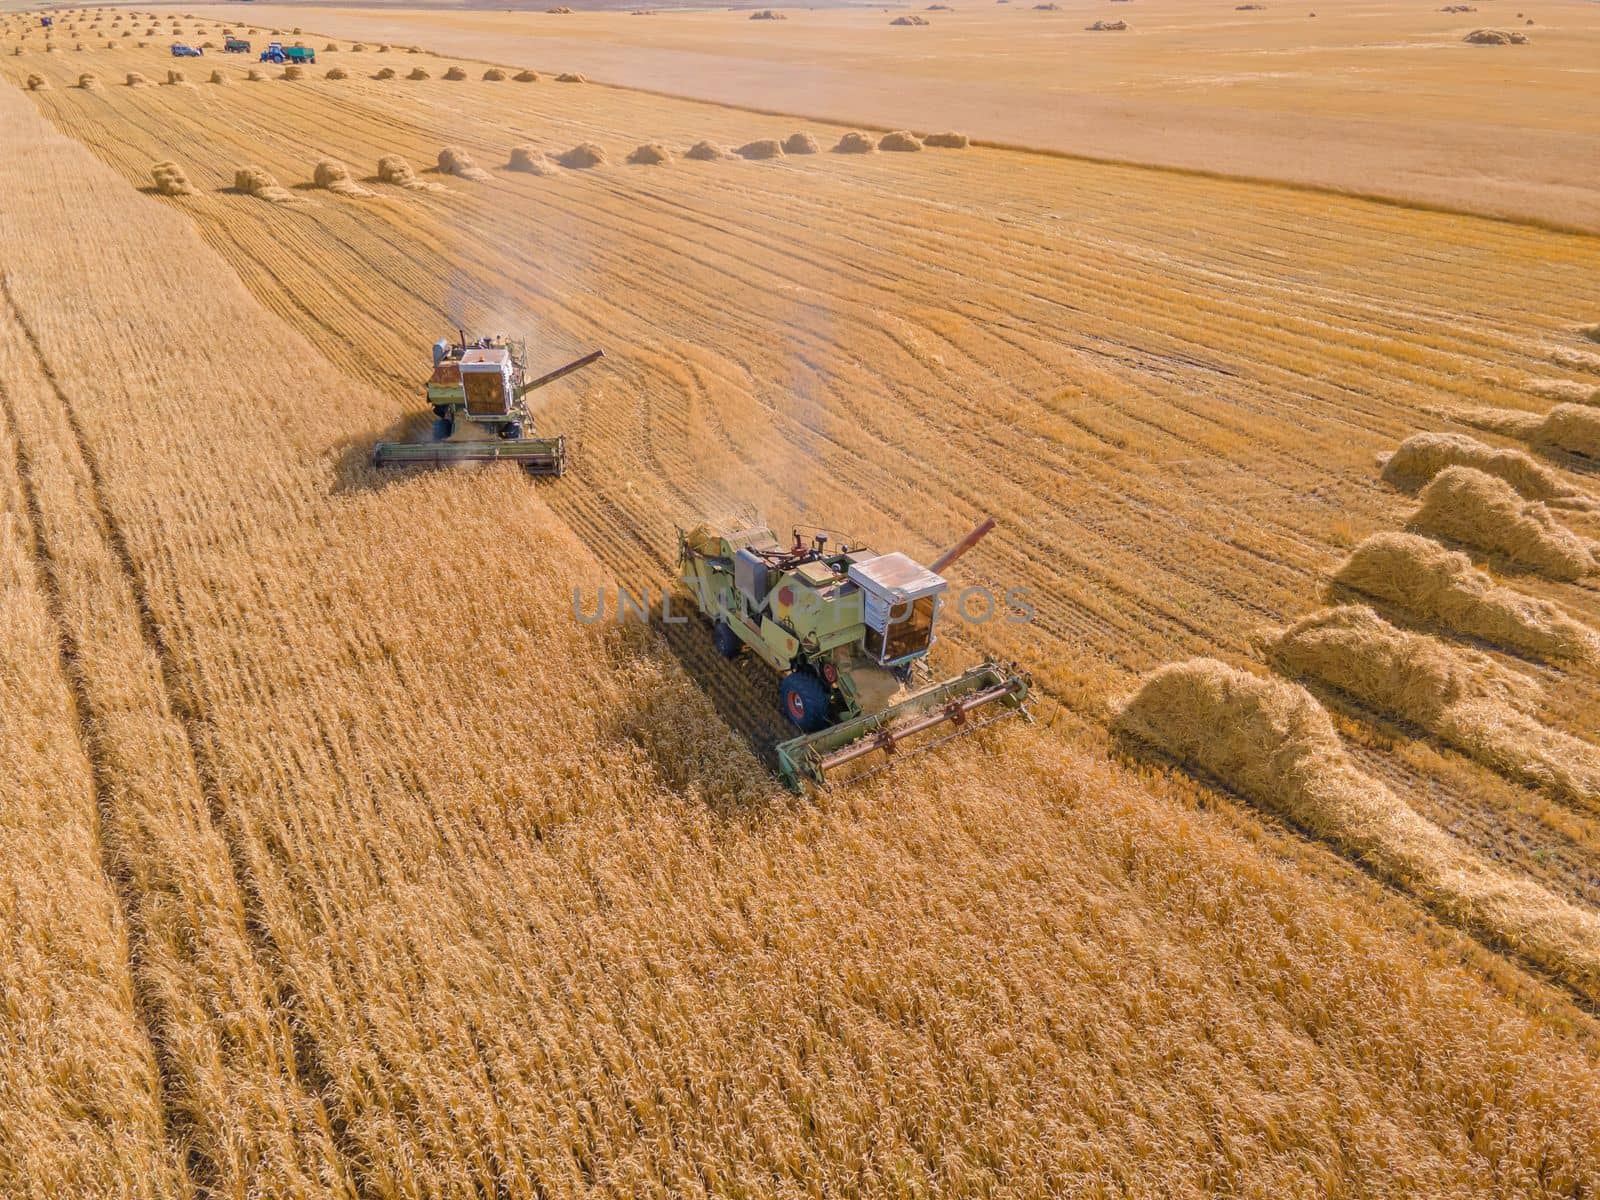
846	629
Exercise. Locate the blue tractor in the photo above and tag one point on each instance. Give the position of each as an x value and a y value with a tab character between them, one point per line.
277	52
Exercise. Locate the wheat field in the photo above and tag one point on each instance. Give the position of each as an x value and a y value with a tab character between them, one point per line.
341	859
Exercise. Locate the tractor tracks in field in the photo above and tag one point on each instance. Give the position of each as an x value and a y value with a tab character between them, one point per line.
181	1126
146	1006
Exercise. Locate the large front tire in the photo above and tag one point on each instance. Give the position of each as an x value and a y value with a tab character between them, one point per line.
804	699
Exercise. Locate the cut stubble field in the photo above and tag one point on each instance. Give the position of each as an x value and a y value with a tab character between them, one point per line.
386	876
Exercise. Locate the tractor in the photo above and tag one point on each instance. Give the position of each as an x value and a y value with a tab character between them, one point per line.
277	52
478	392
848	630
234	45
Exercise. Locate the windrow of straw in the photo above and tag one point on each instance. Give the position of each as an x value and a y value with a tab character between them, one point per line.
332	175
800	143
583	155
1573	428
1465	699
396	170
855	142
1564	391
1273	743
1431	583
455	161
170	179
949	140
650	154
704	151
256	181
900	140
1422	456
530	160
761	148
1465	505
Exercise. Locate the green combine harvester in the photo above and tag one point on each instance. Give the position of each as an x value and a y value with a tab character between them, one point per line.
847	629
479	392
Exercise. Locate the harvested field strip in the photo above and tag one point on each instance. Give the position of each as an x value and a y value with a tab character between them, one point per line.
71	999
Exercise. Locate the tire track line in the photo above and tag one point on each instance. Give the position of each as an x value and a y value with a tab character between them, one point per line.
176	1131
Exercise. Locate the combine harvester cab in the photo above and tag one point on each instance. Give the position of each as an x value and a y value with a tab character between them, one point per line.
847	630
478	394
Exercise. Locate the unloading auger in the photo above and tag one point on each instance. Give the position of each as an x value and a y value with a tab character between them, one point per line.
845	628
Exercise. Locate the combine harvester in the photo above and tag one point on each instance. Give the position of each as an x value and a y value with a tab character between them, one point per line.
847	629
479	398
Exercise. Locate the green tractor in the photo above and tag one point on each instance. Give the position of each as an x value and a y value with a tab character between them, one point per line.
848	630
479	395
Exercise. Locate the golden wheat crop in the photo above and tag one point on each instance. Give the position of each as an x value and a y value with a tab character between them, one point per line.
356	865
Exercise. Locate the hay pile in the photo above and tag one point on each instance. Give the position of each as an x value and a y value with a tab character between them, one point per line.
418	73
336	73
255	181
1592	332
494	75
946	141
910	19
1431	583
293	73
651	154
37	83
705	152
383	49
768	14
170	179
1573	428
396	170
583	156
177	78
1579	360
900	140
1423	455
330	46
1046	8
800	143
1466	505
570	77
530	161
1495	37
1458	8
134	79
218	77
89	81
1107	27
1465	699
559	10
855	143
526	77
455	74
1272	742
761	148
457	162
358	48
332	175
385	73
